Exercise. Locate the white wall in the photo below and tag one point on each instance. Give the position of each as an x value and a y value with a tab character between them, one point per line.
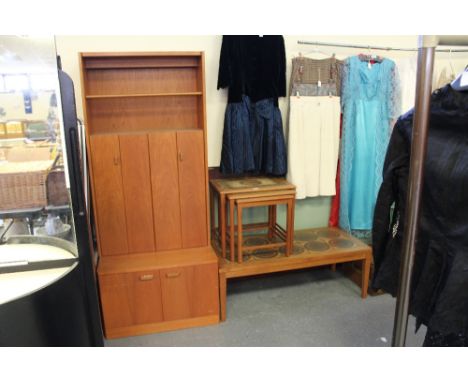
311	212
69	46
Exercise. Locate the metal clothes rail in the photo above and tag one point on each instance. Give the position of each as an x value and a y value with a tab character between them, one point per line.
426	50
374	47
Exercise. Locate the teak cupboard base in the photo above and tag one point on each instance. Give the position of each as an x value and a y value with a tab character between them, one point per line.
155	292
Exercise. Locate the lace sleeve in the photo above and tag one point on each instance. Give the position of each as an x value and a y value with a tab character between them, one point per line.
345	83
394	106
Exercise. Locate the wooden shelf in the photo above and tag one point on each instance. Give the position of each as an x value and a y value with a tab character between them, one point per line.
141	66
147	131
107	96
101	61
156	260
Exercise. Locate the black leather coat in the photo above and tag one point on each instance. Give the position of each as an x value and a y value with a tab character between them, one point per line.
439	291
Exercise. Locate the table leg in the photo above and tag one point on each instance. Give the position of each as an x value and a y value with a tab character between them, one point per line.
333	267
222	223
293	211
222	296
232	236
239	234
270	222
366	263
289	227
212	218
273	214
30	225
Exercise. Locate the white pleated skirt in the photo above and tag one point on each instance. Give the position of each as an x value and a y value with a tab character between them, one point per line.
313	145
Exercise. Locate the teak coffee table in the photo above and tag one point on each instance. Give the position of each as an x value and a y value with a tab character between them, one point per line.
220	188
312	248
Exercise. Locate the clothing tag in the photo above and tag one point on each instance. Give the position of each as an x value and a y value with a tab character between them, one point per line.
319	84
260	35
369	65
464	79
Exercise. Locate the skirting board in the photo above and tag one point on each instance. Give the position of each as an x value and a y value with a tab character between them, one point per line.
158	327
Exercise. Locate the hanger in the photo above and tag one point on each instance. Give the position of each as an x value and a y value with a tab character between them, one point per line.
461	82
369	57
451	64
316	50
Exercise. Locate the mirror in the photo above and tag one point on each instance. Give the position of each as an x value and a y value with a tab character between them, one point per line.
34	190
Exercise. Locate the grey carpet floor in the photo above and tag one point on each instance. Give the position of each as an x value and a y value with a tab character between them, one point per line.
305	308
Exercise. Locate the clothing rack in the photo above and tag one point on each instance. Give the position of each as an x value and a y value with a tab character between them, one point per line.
426	52
374	47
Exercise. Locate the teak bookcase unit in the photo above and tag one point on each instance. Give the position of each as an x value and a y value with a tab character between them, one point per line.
146	139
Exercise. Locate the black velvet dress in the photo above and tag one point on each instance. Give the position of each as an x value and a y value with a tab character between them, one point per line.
254	70
439	290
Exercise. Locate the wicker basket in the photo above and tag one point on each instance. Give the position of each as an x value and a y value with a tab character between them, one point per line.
23	184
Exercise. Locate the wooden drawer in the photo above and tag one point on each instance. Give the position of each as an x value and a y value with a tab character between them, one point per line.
130	299
189	292
165	298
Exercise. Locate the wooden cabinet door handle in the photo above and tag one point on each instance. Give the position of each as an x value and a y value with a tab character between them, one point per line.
181	158
146	277
172	275
116	161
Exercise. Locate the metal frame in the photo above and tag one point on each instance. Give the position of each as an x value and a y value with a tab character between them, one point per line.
453	41
426	50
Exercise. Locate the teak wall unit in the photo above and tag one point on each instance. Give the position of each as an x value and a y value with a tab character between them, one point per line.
146	139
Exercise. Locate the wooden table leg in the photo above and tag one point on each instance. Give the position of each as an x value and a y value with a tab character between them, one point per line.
212	218
271	222
231	231
366	263
289	227
222	222
222	296
273	214
293	211
239	234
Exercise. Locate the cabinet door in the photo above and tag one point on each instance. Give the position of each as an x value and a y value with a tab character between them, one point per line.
136	179
165	188
109	197
189	291
131	299
192	182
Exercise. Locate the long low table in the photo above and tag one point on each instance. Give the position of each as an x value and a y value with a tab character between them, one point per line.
312	248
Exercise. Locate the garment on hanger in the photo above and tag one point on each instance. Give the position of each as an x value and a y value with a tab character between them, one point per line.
437	339
307	70
253	66
314	90
439	289
254	70
335	203
407	70
370	102
314	138
314	123
443	78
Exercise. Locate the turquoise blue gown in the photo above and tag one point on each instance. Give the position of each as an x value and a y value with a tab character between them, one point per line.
370	103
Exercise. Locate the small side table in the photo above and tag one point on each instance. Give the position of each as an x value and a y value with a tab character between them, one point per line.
220	188
258	199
